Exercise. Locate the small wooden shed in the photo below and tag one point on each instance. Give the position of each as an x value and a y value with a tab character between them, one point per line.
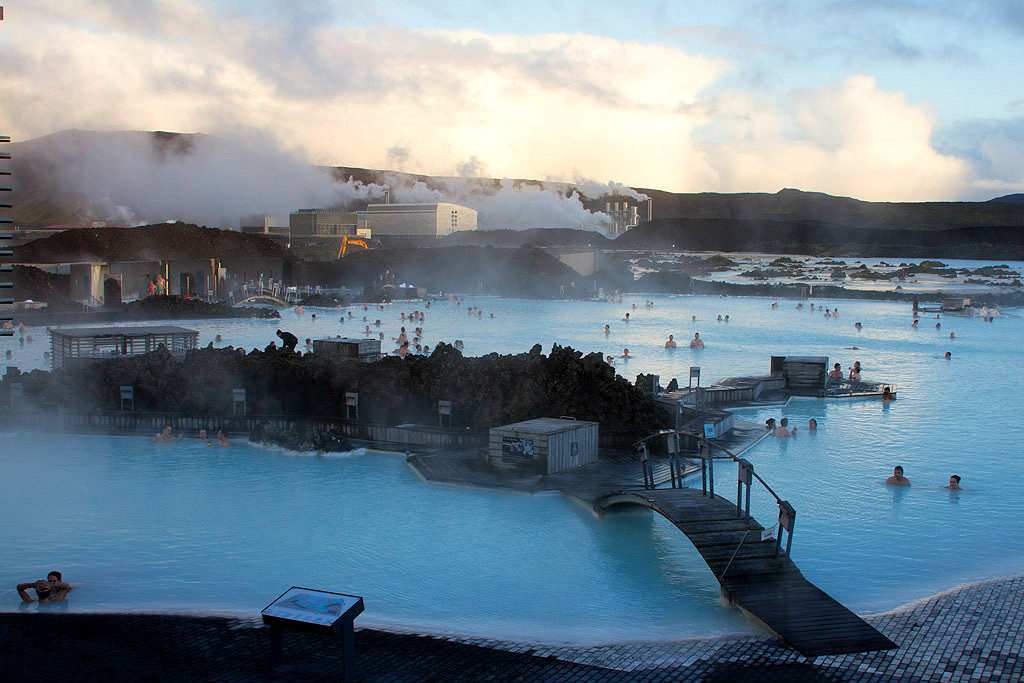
546	444
804	374
74	346
348	349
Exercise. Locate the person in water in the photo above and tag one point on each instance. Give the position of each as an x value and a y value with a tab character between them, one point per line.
696	342
607	330
671	343
288	340
812	425
887	395
897	478
164	436
954	483
222	439
855	372
949	355
50	589
625	354
783	428
836	372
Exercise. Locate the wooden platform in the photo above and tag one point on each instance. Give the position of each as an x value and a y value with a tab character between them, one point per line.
767	586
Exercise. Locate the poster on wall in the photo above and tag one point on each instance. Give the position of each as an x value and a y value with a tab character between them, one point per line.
516	450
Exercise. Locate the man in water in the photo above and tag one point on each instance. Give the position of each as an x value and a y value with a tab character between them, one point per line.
897	478
812	425
164	436
954	483
625	354
836	372
696	342
50	589
671	343
783	428
222	440
288	340
948	355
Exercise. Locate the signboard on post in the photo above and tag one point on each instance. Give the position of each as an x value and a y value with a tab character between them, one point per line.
310	609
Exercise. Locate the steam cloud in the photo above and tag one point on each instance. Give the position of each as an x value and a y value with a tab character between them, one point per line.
137	178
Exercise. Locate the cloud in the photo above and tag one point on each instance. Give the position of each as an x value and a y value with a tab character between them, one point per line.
993	148
847	138
534	106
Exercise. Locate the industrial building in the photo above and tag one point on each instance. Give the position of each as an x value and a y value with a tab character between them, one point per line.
405	221
318	234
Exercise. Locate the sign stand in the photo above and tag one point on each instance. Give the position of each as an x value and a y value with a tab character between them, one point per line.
317	611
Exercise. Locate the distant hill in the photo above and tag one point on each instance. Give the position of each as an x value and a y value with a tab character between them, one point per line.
1009	199
790	220
537	237
151	242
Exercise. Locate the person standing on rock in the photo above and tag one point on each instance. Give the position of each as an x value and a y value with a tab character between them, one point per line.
288	340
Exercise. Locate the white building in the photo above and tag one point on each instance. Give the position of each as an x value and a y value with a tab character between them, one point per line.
419	220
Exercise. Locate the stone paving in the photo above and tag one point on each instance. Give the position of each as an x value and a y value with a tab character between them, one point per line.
972	634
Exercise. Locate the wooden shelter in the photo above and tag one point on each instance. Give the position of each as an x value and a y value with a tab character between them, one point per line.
86	344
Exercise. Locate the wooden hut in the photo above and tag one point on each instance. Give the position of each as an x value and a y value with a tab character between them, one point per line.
87	344
804	375
348	349
546	445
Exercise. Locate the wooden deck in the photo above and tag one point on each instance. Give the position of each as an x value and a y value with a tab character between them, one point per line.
766	585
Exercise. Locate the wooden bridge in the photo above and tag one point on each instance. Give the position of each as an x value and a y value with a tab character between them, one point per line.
756	575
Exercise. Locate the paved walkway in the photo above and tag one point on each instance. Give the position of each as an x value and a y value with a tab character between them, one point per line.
974	633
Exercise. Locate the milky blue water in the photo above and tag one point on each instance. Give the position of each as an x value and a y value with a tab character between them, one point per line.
181	526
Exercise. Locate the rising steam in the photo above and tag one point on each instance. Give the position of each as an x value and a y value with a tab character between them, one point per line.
138	178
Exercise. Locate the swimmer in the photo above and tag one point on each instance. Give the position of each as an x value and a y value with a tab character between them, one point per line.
222	440
29	340
952	336
719	317
299	310
8	354
887	395
770	424
164	436
218	339
202	435
897	478
812	425
693	318
858	326
696	342
671	343
609	360
313	317
50	589
799	306
938	326
836	372
914	324
855	372
783	428
626	318
949	356
726	317
309	343
954	483
625	354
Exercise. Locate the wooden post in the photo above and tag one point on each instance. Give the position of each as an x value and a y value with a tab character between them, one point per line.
787	518
127	398
444	409
744	475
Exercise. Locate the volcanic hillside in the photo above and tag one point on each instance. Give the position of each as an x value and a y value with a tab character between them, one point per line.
147	243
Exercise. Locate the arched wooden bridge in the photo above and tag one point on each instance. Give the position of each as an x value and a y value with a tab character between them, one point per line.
756	575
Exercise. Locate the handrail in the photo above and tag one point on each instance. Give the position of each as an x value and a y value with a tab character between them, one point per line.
746	473
700	441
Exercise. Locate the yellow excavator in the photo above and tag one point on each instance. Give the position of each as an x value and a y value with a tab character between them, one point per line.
346	242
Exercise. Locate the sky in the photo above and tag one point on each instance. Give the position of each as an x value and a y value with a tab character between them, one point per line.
877	99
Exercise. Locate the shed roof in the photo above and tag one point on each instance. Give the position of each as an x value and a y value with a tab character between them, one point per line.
140	331
546	425
807	359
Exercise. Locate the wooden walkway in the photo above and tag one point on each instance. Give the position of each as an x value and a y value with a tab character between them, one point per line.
761	582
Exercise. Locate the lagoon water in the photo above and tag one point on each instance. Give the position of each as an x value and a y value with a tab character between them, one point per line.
179	526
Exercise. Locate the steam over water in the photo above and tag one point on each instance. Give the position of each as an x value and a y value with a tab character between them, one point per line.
136	526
